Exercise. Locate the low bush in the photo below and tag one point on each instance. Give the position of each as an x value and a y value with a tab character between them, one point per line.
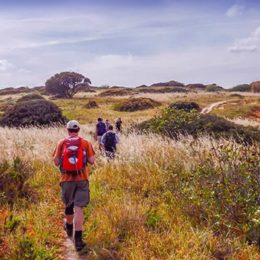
222	190
171	83
196	86
213	88
186	106
29	97
235	95
13	180
163	90
91	104
241	88
172	122
135	104
254	112
12	91
32	113
116	92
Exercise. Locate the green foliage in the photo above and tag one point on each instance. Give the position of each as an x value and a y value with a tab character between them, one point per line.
32	113
13	181
30	97
116	92
222	190
11	223
213	88
173	122
163	90
66	84
153	219
27	249
241	88
136	104
186	106
91	104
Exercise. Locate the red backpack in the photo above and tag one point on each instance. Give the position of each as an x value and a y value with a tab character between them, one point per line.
73	156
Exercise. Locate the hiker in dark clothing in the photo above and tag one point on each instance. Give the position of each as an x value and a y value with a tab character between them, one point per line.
107	124
109	141
100	130
119	125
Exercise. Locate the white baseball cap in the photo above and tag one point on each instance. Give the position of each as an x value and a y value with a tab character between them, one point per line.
73	124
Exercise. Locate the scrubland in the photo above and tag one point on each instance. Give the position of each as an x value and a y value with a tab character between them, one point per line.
160	198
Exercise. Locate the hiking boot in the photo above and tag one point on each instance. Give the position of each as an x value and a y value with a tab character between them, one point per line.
68	228
79	244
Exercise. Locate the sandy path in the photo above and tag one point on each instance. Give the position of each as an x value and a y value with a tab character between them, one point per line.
209	108
71	253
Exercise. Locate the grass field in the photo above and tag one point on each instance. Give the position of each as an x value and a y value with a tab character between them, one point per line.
159	199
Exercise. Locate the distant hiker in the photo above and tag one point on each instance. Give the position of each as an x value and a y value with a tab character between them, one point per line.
107	124
109	141
119	125
72	155
100	130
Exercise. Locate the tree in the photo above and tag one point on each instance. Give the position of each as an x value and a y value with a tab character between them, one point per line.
66	84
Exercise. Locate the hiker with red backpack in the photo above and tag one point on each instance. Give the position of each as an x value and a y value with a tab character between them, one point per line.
72	155
100	130
109	141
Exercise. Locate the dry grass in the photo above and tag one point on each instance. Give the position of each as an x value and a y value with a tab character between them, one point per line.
133	214
246	122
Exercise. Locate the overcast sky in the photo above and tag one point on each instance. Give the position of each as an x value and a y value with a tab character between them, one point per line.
130	42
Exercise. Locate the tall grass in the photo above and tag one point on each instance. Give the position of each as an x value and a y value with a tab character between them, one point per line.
159	199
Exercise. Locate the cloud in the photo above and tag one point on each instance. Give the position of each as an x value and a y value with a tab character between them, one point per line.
125	46
235	10
205	65
249	44
4	65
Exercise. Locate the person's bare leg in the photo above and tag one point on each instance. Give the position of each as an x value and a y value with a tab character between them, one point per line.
78	224
78	218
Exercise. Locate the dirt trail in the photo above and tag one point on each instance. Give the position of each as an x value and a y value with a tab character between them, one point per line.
71	253
209	108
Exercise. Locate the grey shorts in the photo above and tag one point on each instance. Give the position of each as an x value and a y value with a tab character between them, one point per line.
99	137
76	192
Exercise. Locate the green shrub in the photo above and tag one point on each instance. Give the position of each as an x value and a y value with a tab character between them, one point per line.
173	122
135	104
91	104
213	88
186	106
32	113
163	90
116	92
222	190
13	180
235	95
30	97
241	88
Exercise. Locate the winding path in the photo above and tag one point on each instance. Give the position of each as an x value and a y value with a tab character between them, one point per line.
209	108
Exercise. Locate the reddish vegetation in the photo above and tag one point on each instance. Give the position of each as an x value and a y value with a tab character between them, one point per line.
255	112
255	87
